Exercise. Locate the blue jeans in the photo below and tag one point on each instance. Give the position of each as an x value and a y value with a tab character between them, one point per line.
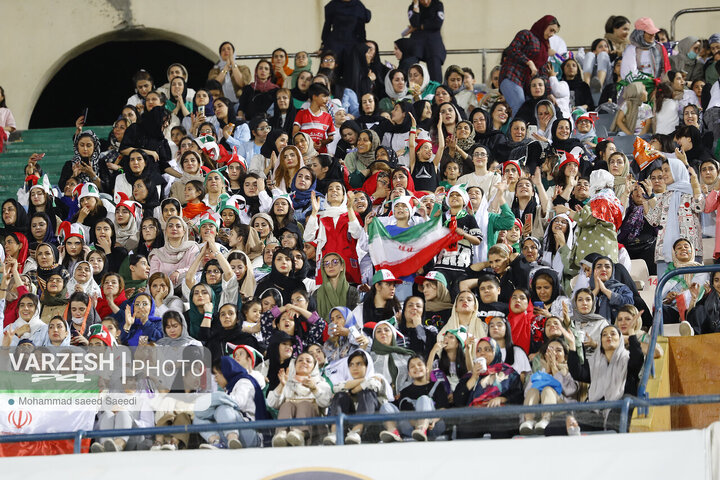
227	414
601	61
423	404
513	93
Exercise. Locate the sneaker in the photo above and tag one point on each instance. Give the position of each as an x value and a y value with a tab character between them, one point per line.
280	439
216	445
330	439
353	438
540	426
527	427
595	85
420	435
168	446
234	444
156	446
97	447
295	438
110	446
686	329
387	436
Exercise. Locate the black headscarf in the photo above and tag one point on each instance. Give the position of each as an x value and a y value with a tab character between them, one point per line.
269	147
277	122
565	145
21	224
556	285
273	354
342	145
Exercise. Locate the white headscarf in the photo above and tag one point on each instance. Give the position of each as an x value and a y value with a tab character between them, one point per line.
390	91
608	378
90	287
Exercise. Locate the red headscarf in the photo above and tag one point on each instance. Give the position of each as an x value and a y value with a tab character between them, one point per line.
23	254
538	29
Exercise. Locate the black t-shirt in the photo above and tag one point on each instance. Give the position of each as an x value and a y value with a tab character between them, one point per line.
414	392
425	176
494	309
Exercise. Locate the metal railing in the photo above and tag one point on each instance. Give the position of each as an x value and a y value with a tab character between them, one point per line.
625	405
484	52
657	328
688	10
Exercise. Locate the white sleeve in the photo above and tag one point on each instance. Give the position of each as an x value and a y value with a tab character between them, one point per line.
629	62
311	228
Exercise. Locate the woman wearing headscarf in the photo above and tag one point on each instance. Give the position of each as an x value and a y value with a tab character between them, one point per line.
438	302
562	140
492	384
465	314
174	258
686	59
633	117
524	58
335	290
81	280
335	229
14	217
85	164
421	87
557	245
682	292
705	315
281	275
644	54
396	90
692	149
389	359
226	329
232	77
301	393
147	134
257	97
609	293
140	321
359	161
539	90
612	371
678	211
284	111
262	163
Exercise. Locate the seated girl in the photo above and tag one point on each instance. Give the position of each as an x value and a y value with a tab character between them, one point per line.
241	401
361	391
302	393
491	384
550	383
423	395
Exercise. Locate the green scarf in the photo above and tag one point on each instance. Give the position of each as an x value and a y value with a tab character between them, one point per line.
193	315
126	274
380	349
328	297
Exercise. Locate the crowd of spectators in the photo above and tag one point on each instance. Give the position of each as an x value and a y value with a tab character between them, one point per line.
235	215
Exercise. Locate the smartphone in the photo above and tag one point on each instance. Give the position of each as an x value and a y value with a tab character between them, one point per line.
142	340
529	218
201	109
531	129
225	230
85	116
538	305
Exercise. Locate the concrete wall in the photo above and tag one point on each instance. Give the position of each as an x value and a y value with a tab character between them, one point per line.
40	36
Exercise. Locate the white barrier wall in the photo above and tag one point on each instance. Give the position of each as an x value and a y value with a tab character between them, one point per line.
669	455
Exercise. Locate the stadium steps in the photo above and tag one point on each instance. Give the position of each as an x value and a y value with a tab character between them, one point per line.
57	145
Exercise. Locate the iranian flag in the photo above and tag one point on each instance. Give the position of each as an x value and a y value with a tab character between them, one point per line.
44	403
407	252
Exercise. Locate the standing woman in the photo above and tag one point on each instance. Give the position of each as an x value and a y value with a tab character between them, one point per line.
678	211
7	121
617	33
231	76
335	229
234	131
257	97
644	54
524	58
176	102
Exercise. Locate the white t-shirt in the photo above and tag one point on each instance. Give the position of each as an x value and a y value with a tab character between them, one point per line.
645	113
667	118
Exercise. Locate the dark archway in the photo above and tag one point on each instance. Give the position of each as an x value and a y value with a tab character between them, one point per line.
100	80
